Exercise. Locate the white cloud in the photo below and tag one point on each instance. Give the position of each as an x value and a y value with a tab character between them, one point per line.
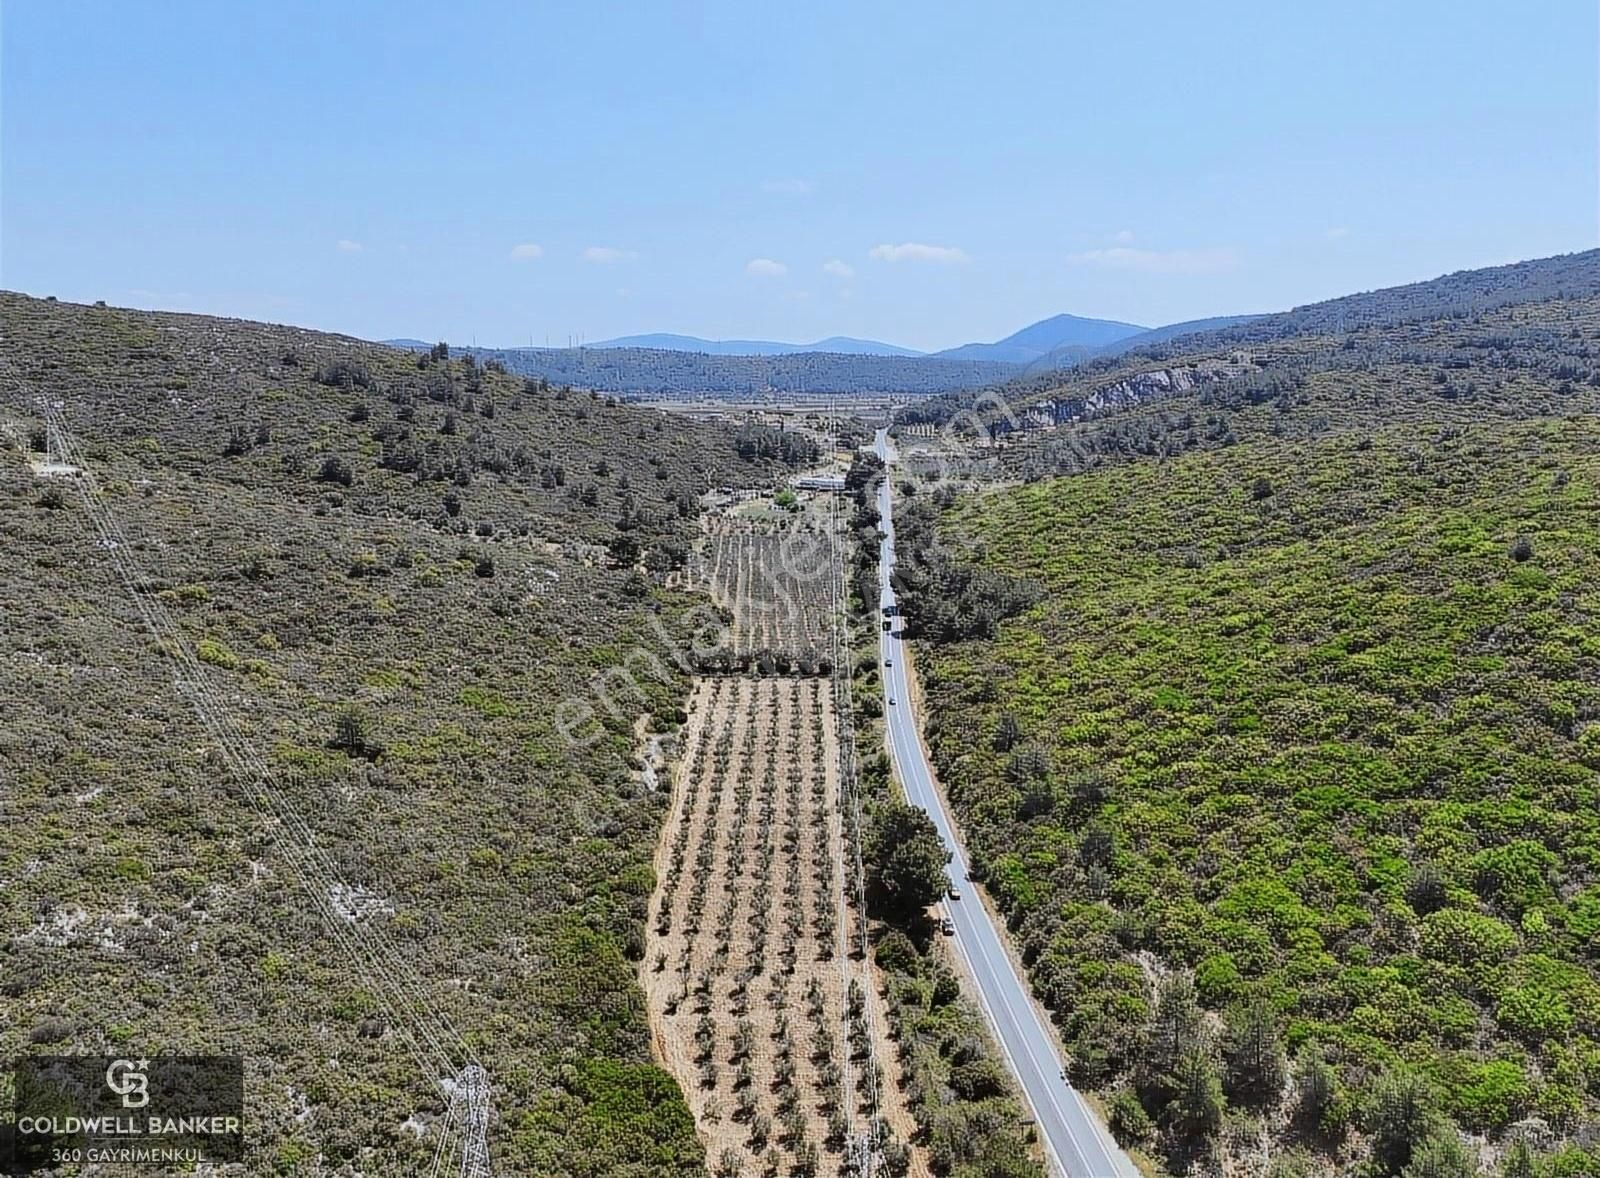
604	255
346	246
1192	261
526	252
791	187
1338	231
1123	236
839	269
915	251
765	268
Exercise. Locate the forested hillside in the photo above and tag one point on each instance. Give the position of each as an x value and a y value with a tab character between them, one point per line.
1464	293
1529	360
664	372
1466	326
1272	727
396	570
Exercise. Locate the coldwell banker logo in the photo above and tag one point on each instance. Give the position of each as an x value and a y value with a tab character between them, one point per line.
129	1081
161	1111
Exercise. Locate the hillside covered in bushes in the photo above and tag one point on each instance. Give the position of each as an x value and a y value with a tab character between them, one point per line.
1273	729
396	571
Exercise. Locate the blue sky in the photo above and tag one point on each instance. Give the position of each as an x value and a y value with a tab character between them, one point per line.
922	173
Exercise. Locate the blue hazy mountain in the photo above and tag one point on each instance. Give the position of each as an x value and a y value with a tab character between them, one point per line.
841	345
1070	334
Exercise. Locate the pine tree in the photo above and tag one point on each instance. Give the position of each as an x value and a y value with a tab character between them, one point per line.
1252	1053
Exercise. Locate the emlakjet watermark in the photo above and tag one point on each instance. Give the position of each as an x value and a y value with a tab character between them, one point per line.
165	1110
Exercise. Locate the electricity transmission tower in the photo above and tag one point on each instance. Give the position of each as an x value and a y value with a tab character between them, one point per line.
474	1083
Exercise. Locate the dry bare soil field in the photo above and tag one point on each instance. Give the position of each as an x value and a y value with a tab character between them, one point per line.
762	1003
774	575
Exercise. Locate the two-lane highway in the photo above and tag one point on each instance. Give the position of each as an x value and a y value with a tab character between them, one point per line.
1077	1144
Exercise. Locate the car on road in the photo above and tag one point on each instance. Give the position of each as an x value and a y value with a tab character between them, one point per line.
954	893
891	701
947	928
888	662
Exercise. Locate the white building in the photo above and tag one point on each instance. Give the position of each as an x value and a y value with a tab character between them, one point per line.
820	482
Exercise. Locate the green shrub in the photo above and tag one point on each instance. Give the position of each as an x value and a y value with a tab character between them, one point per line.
1129	1123
1497	1094
209	650
1515	875
1464	938
1217	979
1401	1116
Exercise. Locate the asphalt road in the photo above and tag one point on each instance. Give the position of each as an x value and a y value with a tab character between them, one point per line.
1077	1144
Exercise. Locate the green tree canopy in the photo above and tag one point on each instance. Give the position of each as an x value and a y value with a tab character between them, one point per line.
906	859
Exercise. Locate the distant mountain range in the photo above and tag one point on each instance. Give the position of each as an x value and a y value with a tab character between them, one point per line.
1035	342
663	363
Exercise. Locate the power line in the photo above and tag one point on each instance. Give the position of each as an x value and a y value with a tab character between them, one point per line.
428	1032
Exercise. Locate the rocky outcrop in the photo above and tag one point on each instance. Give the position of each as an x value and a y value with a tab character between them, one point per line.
1142	386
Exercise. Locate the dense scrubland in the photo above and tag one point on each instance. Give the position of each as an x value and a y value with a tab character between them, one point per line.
394	569
1272	722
